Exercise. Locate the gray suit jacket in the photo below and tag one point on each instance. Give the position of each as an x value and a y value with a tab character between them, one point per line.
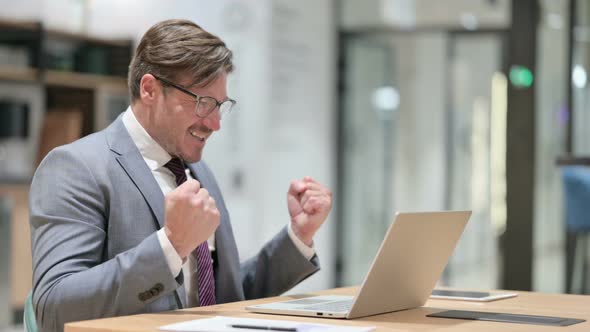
95	208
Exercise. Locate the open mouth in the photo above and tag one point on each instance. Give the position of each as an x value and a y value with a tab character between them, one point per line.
195	135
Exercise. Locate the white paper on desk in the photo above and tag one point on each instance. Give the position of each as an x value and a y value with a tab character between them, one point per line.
222	324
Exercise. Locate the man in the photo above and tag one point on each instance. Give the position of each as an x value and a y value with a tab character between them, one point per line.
129	220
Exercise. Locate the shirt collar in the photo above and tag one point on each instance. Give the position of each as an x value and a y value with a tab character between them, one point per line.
154	155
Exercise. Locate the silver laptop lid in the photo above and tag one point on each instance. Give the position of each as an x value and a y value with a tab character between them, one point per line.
409	261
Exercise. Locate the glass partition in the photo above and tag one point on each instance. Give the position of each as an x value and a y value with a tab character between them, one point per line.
417	134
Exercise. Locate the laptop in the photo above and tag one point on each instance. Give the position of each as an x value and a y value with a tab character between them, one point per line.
407	266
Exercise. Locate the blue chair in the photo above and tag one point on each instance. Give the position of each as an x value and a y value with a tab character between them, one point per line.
29	319
576	186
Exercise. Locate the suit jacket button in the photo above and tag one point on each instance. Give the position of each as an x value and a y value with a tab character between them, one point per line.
154	292
142	297
159	287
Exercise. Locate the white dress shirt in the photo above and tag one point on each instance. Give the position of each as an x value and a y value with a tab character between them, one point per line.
156	157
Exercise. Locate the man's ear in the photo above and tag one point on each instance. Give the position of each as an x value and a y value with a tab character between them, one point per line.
149	89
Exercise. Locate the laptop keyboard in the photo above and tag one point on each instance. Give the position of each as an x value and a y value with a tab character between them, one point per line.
337	306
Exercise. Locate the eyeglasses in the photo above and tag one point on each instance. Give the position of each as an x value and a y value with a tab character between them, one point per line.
204	104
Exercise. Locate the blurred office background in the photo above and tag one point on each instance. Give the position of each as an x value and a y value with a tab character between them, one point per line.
397	105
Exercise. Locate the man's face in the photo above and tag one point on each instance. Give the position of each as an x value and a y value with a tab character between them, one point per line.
178	129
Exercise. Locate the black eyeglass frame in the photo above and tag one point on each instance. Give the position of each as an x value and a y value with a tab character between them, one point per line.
198	98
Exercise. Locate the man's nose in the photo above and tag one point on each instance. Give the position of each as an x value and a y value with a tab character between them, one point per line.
213	120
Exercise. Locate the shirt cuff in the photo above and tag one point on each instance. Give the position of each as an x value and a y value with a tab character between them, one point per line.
172	257
307	252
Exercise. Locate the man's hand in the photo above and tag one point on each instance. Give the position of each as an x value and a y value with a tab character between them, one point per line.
309	204
191	217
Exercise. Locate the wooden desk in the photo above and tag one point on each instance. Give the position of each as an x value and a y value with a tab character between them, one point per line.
573	306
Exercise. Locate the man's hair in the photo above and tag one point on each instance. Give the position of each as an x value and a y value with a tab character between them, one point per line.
173	49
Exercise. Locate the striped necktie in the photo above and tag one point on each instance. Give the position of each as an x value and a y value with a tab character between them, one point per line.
202	279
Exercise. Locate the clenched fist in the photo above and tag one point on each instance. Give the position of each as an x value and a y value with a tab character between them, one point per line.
191	217
309	204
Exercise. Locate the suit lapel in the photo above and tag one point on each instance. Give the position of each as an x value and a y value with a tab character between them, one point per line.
134	165
141	176
130	159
